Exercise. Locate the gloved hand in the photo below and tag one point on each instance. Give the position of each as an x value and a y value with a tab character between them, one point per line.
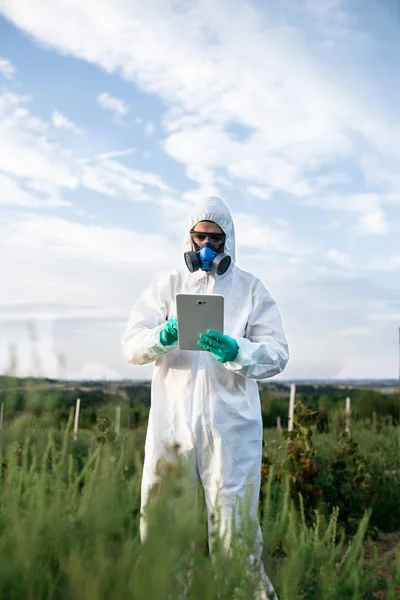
169	334
222	347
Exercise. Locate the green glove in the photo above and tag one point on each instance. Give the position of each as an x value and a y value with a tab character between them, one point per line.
222	347
169	334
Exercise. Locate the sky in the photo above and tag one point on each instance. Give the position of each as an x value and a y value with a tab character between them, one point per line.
116	116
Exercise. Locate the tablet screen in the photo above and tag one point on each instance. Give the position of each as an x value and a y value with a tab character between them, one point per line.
196	314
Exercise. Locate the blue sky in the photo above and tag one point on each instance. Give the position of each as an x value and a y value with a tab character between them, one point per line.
116	117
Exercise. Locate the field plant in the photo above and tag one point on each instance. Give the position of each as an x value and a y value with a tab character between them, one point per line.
69	522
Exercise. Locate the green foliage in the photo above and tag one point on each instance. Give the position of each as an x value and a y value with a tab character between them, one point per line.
70	530
300	462
104	426
336	473
69	509
347	482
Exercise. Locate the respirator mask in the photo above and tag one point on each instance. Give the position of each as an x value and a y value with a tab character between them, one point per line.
209	257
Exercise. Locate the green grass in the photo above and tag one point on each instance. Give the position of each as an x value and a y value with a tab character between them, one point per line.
69	518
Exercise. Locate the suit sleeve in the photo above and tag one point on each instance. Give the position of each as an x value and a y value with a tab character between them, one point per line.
263	352
141	340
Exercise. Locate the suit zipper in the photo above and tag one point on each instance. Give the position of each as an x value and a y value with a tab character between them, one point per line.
206	283
200	358
197	365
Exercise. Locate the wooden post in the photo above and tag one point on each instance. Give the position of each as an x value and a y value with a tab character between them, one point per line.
291	405
390	420
129	421
76	424
348	412
2	415
374	420
278	423
117	419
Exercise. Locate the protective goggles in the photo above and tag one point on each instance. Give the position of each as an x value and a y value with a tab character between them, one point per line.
214	238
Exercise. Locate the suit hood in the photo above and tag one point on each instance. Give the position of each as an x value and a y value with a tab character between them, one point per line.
213	209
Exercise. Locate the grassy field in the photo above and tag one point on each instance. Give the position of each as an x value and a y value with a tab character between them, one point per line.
69	516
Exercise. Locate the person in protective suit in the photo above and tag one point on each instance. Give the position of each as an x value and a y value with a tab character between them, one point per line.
208	402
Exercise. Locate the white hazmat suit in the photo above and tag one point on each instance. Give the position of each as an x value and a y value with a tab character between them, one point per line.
211	409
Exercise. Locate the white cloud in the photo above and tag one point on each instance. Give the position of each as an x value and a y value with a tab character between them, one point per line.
282	222
371	220
6	68
224	181
27	149
203	191
149	129
207	62
339	258
75	270
76	274
326	318
62	122
276	237
390	263
33	158
386	317
74	241
373	223
352	332
105	155
115	105
12	194
200	174
207	146
206	180
111	178
259	192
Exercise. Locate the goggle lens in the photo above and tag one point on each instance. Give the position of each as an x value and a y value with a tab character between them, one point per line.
214	238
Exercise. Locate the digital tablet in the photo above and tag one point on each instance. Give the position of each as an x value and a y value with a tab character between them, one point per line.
196	314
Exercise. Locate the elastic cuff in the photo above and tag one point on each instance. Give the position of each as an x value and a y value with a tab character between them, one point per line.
237	363
169	346
158	346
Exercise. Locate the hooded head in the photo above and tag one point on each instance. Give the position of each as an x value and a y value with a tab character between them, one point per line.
213	209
